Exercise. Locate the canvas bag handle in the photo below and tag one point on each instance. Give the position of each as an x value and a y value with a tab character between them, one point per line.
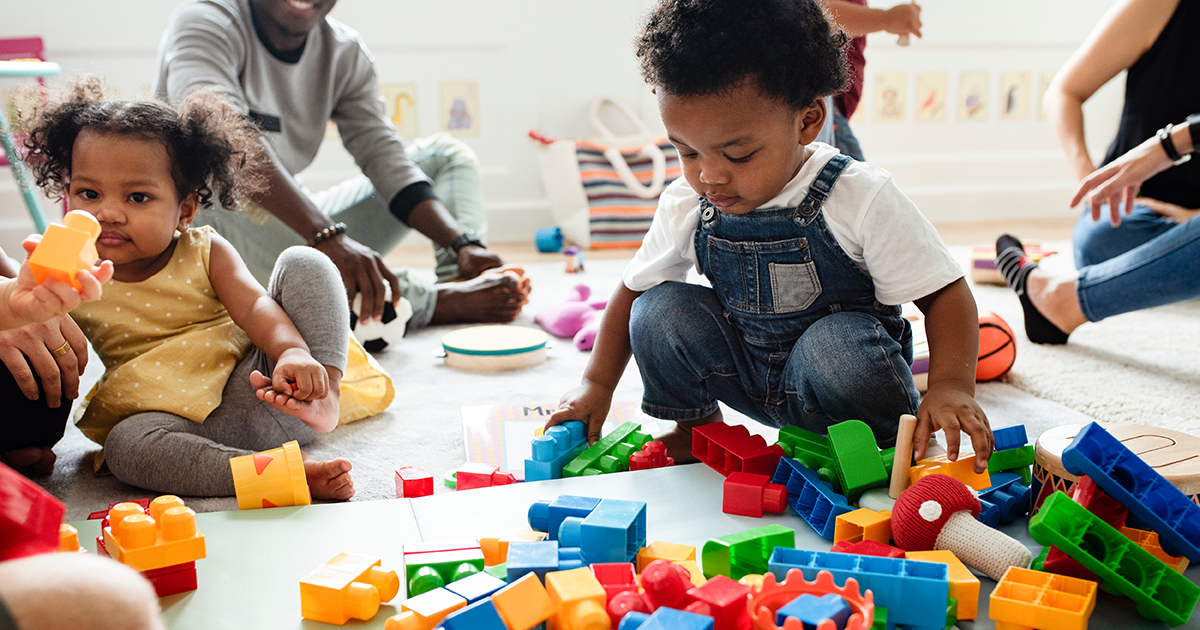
650	150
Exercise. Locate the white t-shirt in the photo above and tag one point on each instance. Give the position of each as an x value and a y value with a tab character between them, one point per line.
873	222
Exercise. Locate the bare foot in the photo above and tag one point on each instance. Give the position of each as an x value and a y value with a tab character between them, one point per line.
328	480
34	460
678	438
321	414
491	297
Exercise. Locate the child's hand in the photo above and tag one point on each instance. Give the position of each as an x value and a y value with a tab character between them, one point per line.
31	302
953	410
588	403
300	376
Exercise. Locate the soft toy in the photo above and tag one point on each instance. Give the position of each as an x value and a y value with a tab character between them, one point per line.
576	317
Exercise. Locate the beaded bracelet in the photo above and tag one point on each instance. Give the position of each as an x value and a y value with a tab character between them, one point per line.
327	233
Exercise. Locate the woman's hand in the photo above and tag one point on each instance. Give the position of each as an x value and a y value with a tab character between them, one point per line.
54	352
1117	183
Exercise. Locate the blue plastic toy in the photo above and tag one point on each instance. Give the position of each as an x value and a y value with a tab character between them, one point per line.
665	619
812	610
1009	437
547	516
539	557
476	587
814	500
481	615
613	532
555	449
1005	500
549	240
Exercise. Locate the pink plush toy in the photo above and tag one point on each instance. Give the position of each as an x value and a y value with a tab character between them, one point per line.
576	317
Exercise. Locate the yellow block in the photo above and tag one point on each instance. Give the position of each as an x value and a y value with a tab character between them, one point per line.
424	611
694	569
659	550
273	478
66	249
964	586
863	524
962	470
580	599
349	585
142	542
524	603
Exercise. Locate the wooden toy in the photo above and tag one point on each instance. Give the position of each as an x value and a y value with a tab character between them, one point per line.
66	249
273	478
348	586
903	454
494	348
997	347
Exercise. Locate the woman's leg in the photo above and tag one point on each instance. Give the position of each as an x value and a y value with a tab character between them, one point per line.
1097	241
29	428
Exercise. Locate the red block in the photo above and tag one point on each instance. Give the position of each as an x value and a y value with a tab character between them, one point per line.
1090	496
413	482
665	584
623	604
724	600
652	455
473	475
179	578
750	494
615	577
29	516
731	448
868	548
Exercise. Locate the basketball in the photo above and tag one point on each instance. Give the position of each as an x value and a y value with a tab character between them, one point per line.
997	347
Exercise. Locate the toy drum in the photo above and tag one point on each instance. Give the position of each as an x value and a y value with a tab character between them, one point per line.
1174	455
494	348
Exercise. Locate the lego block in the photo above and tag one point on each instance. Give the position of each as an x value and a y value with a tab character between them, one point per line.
869	548
693	569
472	475
613	531
731	448
1010	459
1130	480
29	516
1149	541
580	600
863	524
540	558
172	580
162	536
554	449
1009	438
659	550
103	514
615	577
476	586
814	500
424	572
964	586
750	494
480	615
1005	500
272	478
962	469
1122	566
665	584
413	482
1032	599
724	600
349	586
524	603
811	610
770	595
652	455
671	619
547	516
424	611
743	553
495	550
810	449
611	454
859	465
68	539
915	593
66	249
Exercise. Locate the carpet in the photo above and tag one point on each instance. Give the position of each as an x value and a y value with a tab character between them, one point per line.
1134	368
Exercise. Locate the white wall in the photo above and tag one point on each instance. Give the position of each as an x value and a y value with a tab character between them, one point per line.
539	62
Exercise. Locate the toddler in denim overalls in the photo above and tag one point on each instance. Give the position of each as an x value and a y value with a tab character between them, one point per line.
809	253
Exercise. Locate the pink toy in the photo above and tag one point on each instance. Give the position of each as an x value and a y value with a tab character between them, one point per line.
576	317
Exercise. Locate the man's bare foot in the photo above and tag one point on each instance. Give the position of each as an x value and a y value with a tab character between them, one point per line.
328	480
321	414
678	438
491	297
34	460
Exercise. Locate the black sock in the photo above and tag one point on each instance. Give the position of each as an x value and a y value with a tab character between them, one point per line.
1016	267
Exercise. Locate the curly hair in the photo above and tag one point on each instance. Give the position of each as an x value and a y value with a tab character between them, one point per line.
215	149
697	47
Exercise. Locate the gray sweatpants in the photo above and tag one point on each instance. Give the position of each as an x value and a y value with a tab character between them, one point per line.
170	454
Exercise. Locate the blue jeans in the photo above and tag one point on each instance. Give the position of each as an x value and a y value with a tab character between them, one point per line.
844	138
1146	261
844	366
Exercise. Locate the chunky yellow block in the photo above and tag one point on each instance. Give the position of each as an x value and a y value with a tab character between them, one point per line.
669	551
68	539
66	249
424	611
863	524
273	478
349	585
165	537
964	586
694	569
580	599
962	470
524	603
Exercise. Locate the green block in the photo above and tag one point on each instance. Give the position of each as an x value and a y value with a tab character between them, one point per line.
424	572
806	447
889	456
605	456
859	464
880	619
951	613
1026	475
745	553
1010	459
1040	560
499	570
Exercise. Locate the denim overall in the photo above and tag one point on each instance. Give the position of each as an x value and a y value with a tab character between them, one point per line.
790	333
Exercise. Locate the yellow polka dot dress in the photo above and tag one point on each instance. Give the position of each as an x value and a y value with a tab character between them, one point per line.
167	342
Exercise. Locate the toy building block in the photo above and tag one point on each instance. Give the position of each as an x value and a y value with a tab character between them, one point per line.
668	619
424	611
664	584
694	570
859	465
480	615
731	448
863	524
809	449
472	475
1005	500
612	532
495	550
413	482
962	469
814	500
652	455
554	449
659	550
615	577
163	536
964	586
66	249
724	600
1140	488
743	553
272	478
812	610
547	516
869	548
68	539
433	565
29	516
770	595
540	558
1122	566
1009	437
524	603
476	586
915	593
750	494
1010	459
1032	599
103	514
348	586
172	580
611	454
579	598
1149	541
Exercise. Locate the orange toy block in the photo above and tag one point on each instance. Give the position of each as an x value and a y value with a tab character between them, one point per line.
964	586
1149	541
580	599
162	536
495	550
273	478
669	551
349	585
524	603
424	611
68	539
863	524
1024	598
962	470
66	249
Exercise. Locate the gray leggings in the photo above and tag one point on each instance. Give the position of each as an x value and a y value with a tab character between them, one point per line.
166	453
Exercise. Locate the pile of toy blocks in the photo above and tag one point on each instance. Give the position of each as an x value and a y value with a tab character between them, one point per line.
563	451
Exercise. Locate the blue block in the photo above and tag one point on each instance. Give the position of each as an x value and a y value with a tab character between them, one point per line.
915	593
812	610
481	615
540	557
548	240
666	619
633	620
613	532
814	500
1009	437
1008	498
476	586
554	449
1130	480
546	516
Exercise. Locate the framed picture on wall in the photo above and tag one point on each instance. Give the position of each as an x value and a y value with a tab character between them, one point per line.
401	102
973	96
890	92
931	96
460	108
1015	88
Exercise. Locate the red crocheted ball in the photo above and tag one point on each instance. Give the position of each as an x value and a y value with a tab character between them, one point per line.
922	510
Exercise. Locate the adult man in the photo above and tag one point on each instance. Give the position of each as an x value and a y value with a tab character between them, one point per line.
294	69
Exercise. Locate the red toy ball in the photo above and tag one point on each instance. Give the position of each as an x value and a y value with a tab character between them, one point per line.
997	347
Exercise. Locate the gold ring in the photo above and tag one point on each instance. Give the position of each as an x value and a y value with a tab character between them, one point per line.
61	350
